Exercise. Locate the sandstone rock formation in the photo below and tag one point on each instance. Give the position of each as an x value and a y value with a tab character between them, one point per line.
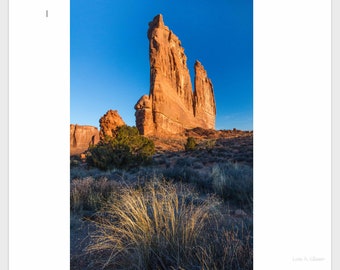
204	100
109	122
172	105
81	137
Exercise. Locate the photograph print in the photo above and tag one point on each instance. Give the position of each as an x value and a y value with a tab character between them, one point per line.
161	134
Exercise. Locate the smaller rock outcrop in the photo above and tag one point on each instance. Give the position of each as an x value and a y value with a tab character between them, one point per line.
144	115
81	137
109	122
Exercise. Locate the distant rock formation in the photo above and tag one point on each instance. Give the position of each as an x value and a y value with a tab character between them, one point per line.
172	106
81	137
109	122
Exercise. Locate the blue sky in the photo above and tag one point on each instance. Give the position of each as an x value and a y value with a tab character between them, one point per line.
110	59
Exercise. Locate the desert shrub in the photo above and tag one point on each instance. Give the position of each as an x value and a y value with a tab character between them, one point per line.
81	172
182	162
89	194
161	160
234	182
159	226
181	174
74	162
138	145
230	248
197	165
108	155
128	149
186	175
190	144
208	144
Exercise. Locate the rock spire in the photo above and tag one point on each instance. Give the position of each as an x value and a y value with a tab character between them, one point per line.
172	105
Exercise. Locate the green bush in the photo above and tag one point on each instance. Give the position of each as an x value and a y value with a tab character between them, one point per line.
128	149
190	144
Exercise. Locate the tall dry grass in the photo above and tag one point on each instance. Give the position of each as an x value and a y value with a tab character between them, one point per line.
155	227
165	226
89	194
233	182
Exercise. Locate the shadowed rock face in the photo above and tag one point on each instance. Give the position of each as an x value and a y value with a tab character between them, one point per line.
81	137
171	105
109	122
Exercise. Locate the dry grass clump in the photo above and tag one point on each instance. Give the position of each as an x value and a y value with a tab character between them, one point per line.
89	194
233	181
165	226
158	226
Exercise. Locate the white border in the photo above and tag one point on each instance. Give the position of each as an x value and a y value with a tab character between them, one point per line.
292	134
4	134
335	134
39	134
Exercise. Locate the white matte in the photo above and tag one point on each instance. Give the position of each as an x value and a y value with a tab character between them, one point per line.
4	134
39	135
292	135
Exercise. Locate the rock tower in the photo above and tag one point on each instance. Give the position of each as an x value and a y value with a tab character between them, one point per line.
172	105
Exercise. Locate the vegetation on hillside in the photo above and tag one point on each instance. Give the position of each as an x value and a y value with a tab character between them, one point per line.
190	144
127	149
185	210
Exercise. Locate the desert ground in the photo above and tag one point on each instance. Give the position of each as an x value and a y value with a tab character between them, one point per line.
186	208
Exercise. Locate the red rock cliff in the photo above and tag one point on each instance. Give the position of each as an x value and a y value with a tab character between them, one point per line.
81	137
171	105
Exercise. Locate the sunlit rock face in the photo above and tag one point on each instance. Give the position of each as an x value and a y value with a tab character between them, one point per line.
109	123
172	105
81	137
204	100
